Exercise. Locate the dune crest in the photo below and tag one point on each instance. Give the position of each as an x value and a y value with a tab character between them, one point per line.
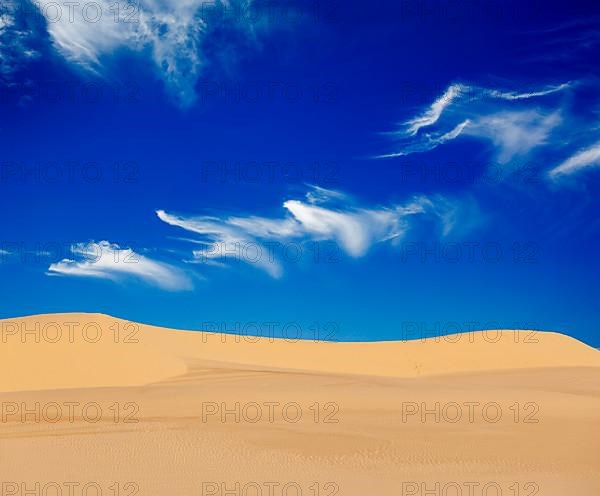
62	351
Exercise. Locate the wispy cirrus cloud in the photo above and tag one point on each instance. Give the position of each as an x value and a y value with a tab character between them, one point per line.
233	237
171	33
435	110
322	215
514	95
514	133
517	124
501	117
583	159
106	260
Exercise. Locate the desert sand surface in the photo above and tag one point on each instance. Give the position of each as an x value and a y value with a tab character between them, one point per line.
95	405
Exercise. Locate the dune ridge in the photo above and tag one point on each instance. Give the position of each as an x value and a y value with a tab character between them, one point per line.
76	350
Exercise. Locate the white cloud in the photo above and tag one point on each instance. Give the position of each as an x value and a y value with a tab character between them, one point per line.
433	113
108	261
170	31
430	141
235	237
6	21
505	118
354	228
524	125
512	95
318	194
514	133
583	159
82	31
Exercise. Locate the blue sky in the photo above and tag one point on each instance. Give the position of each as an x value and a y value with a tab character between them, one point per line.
363	170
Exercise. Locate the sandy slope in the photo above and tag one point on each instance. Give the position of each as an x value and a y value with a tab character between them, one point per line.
85	350
191	413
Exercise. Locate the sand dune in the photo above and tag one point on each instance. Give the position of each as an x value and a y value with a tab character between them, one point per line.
143	410
90	350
